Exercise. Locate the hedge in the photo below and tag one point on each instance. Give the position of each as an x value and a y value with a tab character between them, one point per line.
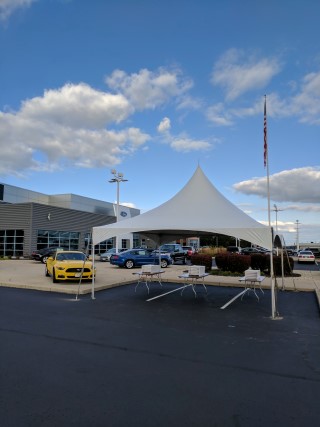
240	263
202	259
233	262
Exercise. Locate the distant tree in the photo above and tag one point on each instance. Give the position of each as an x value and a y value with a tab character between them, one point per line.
221	240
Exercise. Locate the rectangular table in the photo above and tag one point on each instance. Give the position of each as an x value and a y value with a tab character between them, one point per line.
190	280
148	277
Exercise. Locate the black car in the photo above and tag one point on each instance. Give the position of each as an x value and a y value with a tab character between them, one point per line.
176	252
250	251
43	254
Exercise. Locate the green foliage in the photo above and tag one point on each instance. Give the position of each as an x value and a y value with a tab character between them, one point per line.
217	239
202	259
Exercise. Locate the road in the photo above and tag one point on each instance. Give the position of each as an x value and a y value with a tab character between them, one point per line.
306	266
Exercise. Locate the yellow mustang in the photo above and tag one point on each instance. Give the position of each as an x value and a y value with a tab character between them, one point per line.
69	265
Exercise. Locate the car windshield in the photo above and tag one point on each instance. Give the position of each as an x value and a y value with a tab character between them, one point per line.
74	256
305	253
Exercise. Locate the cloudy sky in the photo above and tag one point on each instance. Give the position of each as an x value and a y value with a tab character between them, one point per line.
154	88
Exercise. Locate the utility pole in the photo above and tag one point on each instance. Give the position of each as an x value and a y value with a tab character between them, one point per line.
276	210
297	226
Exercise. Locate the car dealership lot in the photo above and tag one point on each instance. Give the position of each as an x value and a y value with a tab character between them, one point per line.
30	274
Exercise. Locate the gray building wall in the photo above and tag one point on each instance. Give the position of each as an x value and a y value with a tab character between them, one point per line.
32	217
30	211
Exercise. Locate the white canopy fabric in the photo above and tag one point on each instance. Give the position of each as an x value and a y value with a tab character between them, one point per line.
198	209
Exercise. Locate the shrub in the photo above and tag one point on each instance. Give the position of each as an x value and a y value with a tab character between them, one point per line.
288	265
233	262
260	262
202	259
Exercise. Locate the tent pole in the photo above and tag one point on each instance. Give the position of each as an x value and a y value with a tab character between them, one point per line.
93	276
273	299
266	164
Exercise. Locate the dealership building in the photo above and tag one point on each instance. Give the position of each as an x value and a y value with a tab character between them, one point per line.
30	221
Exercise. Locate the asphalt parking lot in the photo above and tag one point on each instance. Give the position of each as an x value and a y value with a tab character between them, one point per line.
177	361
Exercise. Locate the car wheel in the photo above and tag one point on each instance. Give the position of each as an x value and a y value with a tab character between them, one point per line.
129	263
44	259
54	279
164	263
47	272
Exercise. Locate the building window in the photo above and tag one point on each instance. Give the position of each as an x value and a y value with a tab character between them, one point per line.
11	242
65	239
101	247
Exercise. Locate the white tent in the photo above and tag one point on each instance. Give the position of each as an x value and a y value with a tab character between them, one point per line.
198	209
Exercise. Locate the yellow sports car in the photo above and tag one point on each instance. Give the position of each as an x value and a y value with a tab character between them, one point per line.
69	265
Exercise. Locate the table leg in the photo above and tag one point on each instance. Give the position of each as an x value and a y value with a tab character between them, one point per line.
234	298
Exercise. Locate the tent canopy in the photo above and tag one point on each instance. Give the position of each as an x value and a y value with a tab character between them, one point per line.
198	209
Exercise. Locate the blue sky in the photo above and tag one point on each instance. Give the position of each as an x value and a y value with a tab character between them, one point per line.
154	88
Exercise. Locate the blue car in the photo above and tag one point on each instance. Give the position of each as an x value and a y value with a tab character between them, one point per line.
137	257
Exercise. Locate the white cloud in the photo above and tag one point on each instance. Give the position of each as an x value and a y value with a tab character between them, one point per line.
77	106
184	144
219	116
73	124
189	103
238	73
7	7
306	104
302	208
181	143
147	89
67	126
164	125
295	185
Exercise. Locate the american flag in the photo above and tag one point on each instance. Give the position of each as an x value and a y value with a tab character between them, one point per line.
265	143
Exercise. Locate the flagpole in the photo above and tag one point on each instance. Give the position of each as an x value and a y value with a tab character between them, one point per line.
266	164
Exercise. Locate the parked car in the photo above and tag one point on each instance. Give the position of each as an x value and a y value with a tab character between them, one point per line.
249	251
68	265
189	251
296	253
175	251
106	255
137	257
315	251
306	256
234	249
290	252
43	254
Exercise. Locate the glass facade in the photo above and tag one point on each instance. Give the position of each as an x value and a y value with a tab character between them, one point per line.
11	243
66	239
101	247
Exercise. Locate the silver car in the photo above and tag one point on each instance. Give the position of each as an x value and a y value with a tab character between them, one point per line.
106	255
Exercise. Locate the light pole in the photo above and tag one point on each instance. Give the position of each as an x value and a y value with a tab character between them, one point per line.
276	211
117	177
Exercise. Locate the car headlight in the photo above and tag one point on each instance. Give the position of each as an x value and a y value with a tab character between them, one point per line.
59	268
